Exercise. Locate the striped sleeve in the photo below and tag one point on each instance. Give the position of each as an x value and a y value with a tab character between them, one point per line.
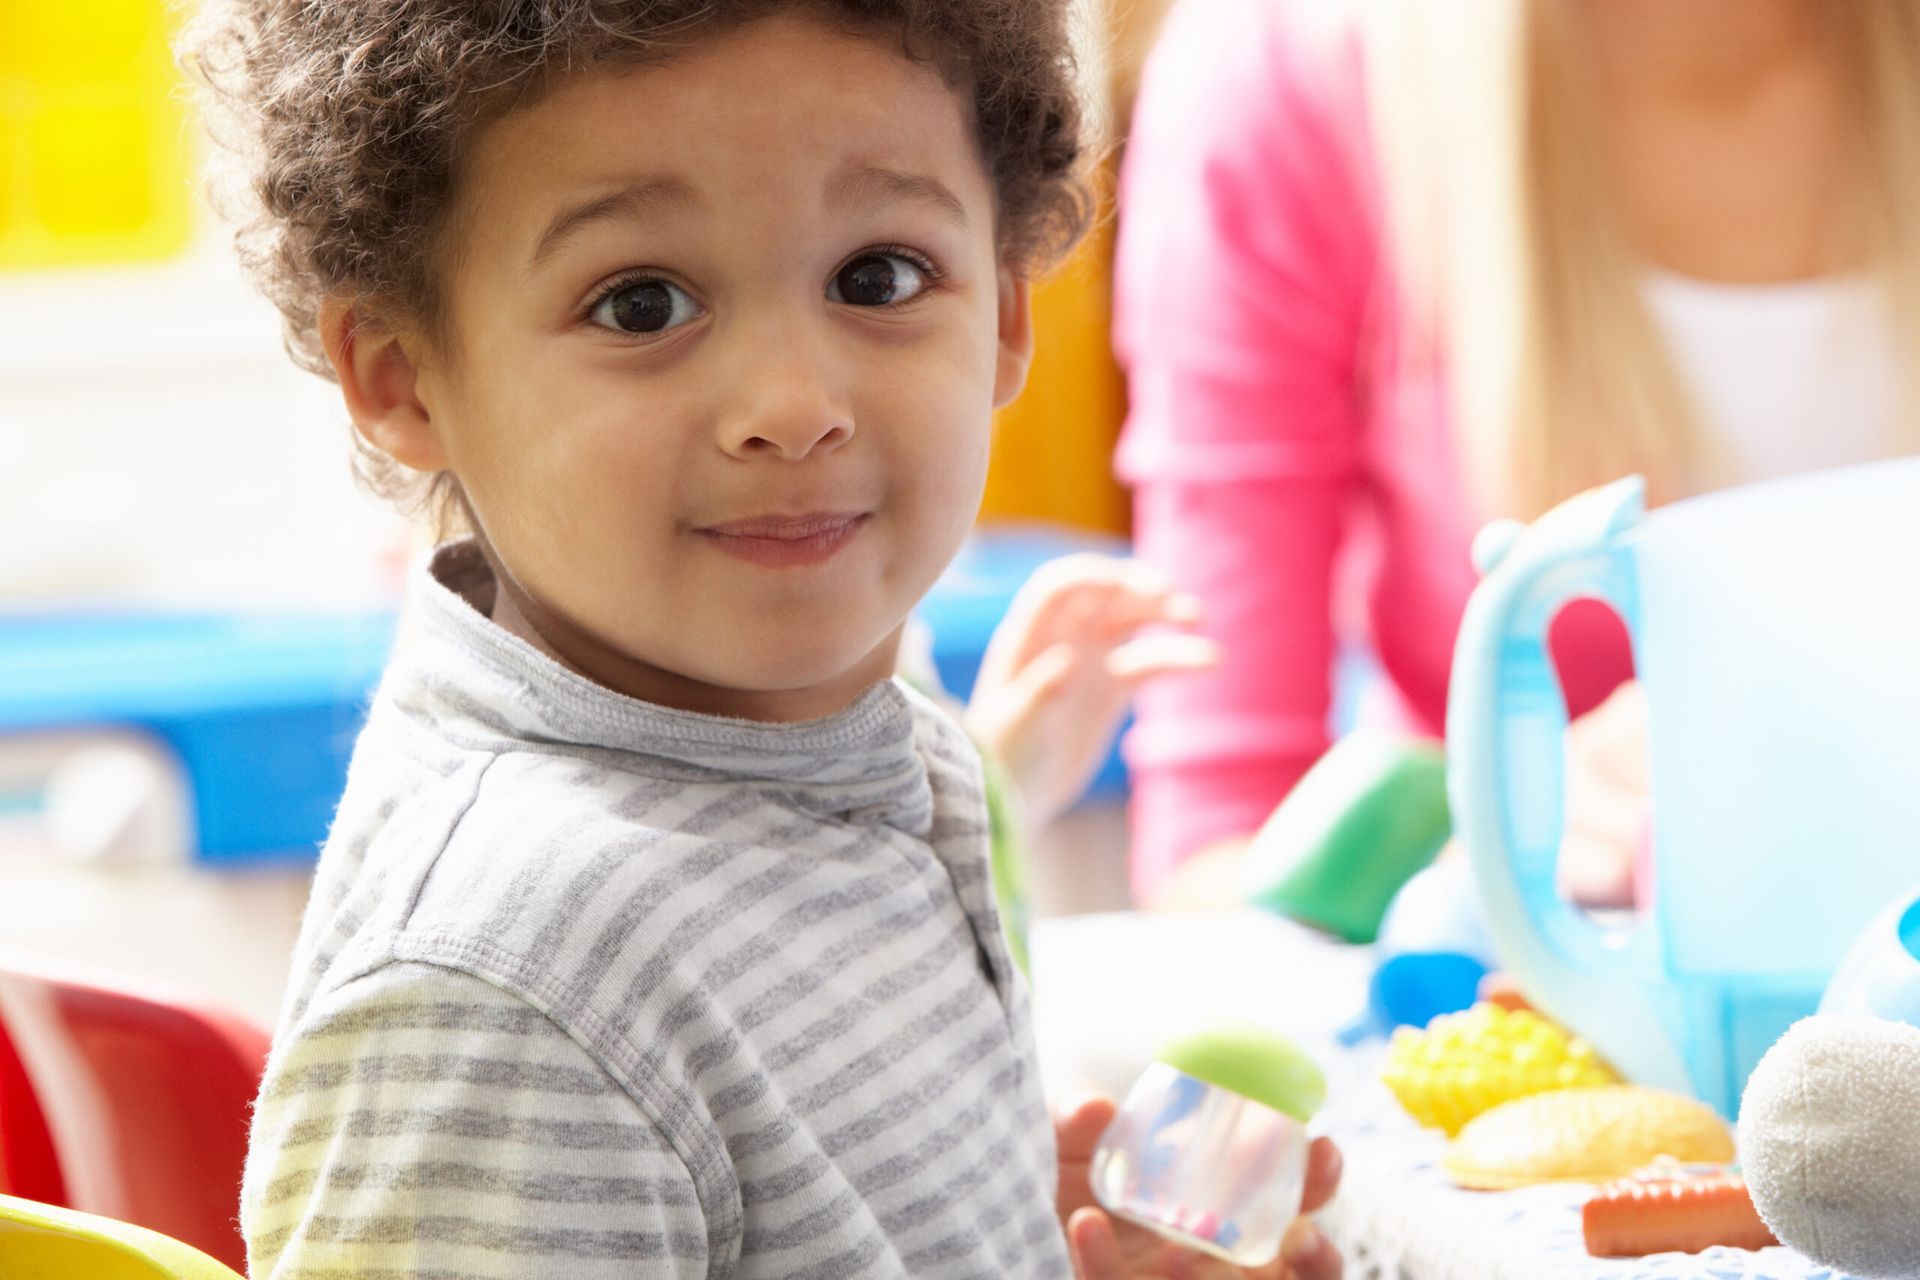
423	1123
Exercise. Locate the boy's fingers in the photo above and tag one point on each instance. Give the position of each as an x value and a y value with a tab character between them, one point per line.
1308	1254
1323	1174
1096	1251
1078	1125
1156	655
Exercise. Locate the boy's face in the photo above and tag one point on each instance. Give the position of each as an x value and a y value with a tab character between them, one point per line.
725	336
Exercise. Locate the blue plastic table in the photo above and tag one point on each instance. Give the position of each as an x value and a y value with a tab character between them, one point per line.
260	710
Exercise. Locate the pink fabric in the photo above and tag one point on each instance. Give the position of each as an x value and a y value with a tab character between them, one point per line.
1291	463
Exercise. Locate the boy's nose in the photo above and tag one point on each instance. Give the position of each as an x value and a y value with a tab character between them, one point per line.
784	407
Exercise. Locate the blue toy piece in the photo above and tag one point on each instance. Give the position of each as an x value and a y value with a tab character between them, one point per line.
1438	910
1432	952
1881	975
261	710
972	596
1415	987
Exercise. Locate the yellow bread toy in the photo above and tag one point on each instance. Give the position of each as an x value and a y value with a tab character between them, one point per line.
1585	1135
1466	1063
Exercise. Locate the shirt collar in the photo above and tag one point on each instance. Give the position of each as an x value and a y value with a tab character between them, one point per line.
481	684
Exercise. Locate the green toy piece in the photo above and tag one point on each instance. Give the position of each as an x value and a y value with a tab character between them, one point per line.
1352	831
1257	1064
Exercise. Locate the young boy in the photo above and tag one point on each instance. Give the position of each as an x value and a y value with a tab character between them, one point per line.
654	934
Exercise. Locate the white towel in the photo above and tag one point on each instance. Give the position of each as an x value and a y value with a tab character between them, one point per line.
1830	1143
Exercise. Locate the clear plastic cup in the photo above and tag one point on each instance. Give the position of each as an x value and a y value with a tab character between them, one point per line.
1203	1163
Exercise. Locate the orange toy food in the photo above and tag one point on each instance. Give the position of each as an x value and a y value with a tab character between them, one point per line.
1671	1206
1501	989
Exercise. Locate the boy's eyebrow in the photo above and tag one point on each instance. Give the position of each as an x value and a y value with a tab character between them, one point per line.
869	184
656	196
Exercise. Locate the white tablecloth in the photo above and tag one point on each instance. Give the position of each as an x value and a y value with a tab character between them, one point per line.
1108	988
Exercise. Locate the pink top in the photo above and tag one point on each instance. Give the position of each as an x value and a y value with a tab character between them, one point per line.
1290	466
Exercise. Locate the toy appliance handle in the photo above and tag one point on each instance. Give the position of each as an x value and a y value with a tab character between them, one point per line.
1506	775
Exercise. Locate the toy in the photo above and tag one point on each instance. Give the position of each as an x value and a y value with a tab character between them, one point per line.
1830	1124
1413	989
1830	1143
1433	952
1584	1135
1880	976
1499	988
1467	1063
1210	1146
1675	1207
1782	822
1365	818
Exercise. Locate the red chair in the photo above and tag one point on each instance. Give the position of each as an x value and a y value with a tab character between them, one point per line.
127	1102
27	1165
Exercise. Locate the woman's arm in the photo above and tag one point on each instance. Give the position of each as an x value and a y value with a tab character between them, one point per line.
1245	274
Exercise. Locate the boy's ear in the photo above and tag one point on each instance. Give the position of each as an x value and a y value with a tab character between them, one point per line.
380	385
1016	337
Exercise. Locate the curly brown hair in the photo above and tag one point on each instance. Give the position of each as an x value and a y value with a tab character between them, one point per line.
344	122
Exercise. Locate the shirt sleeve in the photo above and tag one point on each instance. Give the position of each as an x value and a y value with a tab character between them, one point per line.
1242	283
423	1123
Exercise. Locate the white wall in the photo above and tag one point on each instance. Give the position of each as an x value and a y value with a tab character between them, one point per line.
156	445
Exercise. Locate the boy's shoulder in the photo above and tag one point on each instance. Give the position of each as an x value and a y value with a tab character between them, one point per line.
543	849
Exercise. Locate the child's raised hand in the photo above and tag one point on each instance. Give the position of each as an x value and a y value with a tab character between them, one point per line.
1079	638
1105	1249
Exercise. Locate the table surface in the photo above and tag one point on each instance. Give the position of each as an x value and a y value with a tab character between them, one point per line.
1108	987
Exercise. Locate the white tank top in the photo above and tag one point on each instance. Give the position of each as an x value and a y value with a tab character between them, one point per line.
1791	377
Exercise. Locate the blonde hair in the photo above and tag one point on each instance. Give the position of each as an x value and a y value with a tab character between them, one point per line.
1516	268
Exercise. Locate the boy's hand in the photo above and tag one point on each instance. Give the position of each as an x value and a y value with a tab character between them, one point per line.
1062	665
1105	1249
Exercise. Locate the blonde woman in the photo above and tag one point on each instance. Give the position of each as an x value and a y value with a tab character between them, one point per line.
1390	268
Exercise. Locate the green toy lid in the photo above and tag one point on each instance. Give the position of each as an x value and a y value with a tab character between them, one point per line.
1255	1063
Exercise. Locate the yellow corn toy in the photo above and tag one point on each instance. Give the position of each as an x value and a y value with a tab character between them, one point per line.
1469	1062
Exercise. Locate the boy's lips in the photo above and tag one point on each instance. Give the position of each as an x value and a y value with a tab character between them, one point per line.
786	541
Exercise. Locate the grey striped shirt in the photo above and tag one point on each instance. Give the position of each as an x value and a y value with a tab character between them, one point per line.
589	987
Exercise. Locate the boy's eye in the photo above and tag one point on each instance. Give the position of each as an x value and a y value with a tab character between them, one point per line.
877	280
645	306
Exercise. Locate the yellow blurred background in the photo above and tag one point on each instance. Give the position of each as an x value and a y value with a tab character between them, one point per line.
95	149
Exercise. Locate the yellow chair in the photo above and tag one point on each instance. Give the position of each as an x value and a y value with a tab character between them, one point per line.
40	1242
